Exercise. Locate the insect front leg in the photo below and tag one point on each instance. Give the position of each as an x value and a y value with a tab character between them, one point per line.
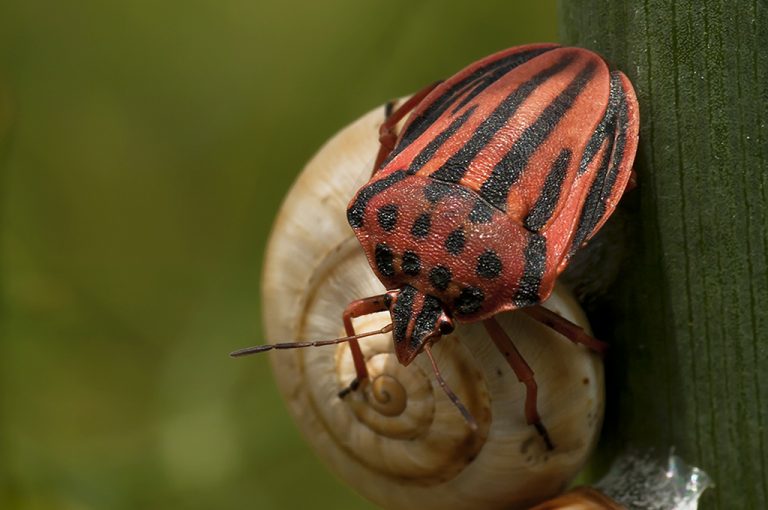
359	308
387	130
568	329
524	374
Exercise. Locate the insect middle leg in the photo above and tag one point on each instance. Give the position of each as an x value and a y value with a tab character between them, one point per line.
359	308
524	374
387	132
568	329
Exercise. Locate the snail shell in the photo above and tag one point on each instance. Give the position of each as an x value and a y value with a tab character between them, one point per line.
581	498
398	440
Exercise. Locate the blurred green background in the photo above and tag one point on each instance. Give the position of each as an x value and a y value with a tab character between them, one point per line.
144	150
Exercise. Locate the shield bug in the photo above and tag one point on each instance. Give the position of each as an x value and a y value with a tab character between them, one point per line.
498	176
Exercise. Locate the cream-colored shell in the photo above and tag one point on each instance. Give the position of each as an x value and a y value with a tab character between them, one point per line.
399	441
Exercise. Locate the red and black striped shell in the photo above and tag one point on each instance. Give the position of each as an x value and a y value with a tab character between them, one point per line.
497	177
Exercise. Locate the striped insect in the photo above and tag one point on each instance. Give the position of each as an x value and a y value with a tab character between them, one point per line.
498	176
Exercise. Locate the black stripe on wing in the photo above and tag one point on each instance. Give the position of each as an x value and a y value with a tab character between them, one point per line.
545	205
475	83
533	272
428	152
615	131
454	169
496	188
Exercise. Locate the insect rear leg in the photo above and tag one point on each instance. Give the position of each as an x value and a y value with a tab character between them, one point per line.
359	308
524	374
387	131
568	329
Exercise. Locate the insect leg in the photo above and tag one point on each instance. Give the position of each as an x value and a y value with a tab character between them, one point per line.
387	132
632	183
524	374
356	309
568	329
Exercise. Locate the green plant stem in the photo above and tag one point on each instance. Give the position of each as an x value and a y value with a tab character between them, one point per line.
690	362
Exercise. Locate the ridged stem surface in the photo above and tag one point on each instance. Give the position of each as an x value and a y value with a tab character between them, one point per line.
689	315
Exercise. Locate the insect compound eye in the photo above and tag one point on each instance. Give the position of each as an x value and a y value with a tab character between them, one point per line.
446	327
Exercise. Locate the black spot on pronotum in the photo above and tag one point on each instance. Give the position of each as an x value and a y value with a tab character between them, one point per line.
440	277
356	211
411	263
455	241
387	216
421	226
469	301
489	265
384	260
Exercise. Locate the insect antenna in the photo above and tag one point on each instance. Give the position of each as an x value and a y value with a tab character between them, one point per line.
471	422
313	343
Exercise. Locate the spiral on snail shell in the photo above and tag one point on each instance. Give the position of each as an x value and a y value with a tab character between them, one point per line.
398	440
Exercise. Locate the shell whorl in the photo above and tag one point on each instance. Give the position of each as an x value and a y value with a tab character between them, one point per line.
402	441
398	440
